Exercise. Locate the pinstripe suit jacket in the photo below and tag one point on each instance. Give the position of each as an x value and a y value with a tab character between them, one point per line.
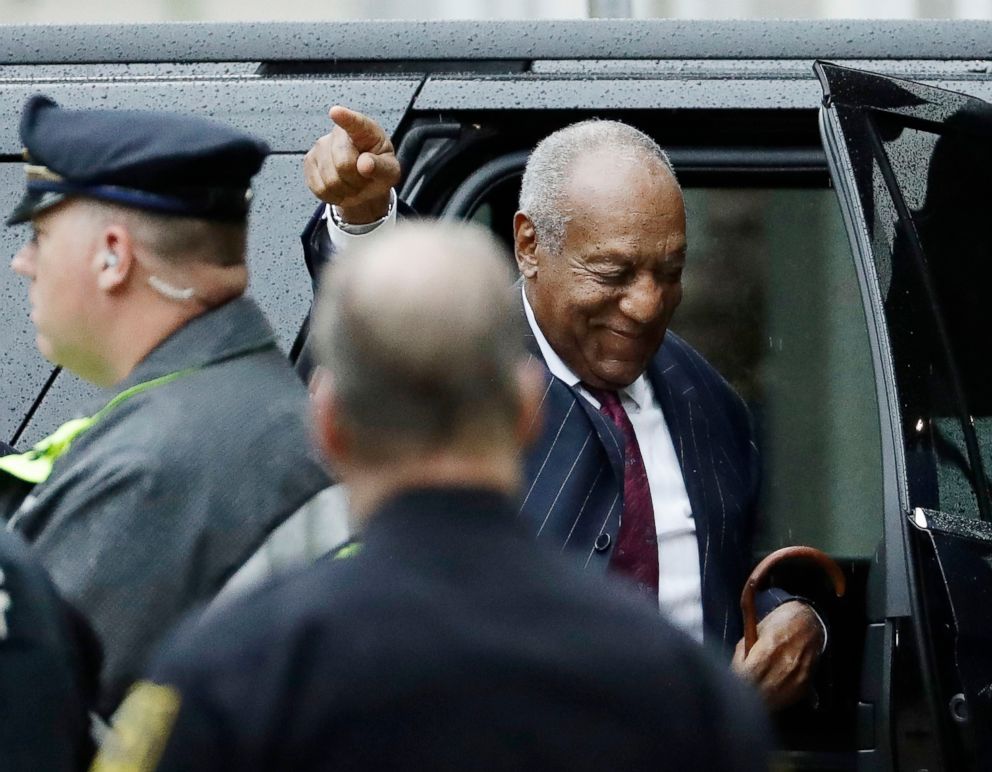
573	497
574	493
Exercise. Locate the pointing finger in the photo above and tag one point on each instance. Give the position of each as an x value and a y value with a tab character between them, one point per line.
365	134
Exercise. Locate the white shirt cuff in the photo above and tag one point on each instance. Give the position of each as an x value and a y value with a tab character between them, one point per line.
341	238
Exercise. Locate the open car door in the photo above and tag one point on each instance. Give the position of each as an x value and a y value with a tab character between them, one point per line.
913	168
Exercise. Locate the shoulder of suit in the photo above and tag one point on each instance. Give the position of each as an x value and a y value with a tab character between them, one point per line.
680	352
694	366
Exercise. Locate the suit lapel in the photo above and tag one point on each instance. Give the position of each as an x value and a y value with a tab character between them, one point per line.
704	442
562	402
575	469
607	432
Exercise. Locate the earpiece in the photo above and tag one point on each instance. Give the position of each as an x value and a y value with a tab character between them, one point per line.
109	259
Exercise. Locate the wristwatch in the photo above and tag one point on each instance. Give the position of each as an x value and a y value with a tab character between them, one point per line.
359	230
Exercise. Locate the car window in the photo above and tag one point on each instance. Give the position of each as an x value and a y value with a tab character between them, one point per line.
772	300
937	264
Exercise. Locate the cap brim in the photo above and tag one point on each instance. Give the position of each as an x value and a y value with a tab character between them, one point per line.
33	203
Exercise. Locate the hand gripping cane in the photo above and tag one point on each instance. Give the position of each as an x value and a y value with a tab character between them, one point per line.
760	574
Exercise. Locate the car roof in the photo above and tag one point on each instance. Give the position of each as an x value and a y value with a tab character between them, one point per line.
496	40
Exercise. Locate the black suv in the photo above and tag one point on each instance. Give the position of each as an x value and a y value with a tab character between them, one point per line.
854	332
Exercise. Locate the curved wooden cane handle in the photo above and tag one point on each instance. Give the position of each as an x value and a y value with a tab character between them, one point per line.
760	574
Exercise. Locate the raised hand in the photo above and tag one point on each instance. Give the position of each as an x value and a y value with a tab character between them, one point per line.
353	167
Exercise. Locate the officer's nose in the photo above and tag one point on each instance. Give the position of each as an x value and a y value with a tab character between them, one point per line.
643	300
23	262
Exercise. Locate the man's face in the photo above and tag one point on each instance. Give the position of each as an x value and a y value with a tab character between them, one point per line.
604	303
58	261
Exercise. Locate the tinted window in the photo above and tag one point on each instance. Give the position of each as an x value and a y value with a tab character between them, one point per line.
934	254
772	299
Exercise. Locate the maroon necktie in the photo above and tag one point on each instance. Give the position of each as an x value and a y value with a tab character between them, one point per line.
636	553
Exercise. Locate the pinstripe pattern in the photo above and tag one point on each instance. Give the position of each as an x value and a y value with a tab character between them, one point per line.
565	482
576	473
547	457
582	509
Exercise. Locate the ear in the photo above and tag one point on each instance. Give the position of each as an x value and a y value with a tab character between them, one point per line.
114	258
525	245
531	387
329	435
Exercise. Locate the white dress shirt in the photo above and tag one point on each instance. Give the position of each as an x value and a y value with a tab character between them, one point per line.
679	578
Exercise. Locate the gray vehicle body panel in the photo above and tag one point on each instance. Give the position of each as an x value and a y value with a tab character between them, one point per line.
479	40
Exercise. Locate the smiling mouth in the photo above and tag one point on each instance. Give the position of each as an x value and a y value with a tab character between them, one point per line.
624	334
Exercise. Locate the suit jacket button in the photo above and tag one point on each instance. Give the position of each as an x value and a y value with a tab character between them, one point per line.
603	542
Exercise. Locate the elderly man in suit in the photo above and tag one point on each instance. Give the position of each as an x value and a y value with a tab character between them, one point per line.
646	466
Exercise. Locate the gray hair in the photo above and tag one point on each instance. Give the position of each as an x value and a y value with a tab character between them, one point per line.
547	170
419	334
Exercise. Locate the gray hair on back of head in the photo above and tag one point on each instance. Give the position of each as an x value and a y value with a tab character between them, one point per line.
547	172
420	336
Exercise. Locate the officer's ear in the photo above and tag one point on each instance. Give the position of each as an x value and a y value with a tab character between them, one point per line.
114	258
525	245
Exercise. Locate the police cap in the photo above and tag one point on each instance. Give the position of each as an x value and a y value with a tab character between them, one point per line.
159	162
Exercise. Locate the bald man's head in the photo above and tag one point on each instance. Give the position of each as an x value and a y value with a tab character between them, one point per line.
418	333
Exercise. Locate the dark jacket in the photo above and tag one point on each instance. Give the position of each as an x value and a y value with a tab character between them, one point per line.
49	665
155	506
450	641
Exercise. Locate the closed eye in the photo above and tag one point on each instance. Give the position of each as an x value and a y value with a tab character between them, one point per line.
613	278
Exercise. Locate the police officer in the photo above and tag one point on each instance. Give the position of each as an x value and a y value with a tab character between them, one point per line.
196	449
449	639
